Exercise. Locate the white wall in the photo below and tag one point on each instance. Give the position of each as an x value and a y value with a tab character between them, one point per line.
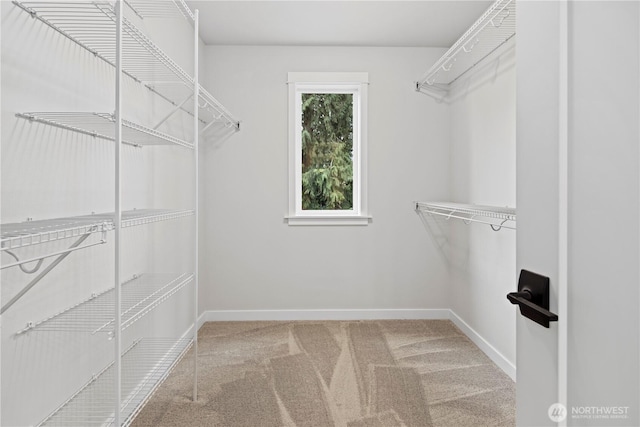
254	260
483	145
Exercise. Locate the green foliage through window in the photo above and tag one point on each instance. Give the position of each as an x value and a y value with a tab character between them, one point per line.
327	151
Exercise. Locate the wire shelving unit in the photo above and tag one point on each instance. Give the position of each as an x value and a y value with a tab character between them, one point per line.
494	28
110	30
145	364
140	295
496	217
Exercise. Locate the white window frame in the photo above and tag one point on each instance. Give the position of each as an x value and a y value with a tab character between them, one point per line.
322	82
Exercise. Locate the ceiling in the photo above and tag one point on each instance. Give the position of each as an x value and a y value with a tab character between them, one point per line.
429	23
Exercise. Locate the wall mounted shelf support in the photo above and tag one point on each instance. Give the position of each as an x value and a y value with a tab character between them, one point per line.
37	232
63	254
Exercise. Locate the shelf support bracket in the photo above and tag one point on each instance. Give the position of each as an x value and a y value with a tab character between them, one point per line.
172	112
211	123
74	247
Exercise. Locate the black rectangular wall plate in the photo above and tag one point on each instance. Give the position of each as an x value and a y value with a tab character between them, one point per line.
538	285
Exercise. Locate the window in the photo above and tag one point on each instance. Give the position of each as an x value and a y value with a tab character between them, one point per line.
327	149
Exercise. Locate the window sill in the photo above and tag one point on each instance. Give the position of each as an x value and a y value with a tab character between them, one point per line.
328	220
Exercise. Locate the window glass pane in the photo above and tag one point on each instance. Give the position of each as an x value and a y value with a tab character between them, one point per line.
327	151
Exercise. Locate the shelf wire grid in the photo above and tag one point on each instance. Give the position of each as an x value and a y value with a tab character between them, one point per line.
161	9
494	28
140	295
92	26
145	365
101	125
497	217
22	234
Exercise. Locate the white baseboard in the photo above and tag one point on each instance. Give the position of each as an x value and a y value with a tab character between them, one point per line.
384	314
202	319
497	357
365	314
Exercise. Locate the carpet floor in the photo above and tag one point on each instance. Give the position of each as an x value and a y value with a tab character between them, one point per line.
389	373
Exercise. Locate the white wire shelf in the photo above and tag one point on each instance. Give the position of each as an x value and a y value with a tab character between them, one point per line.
161	9
494	28
140	295
101	125
496	217
21	234
145	365
92	26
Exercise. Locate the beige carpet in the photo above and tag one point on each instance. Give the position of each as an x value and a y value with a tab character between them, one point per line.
413	373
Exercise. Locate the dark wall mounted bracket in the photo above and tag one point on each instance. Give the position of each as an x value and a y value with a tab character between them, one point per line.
533	298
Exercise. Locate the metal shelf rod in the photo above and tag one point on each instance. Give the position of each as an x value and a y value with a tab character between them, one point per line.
117	221
196	244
